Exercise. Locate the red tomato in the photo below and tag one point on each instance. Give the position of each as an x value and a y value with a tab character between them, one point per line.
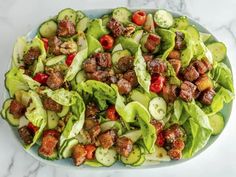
45	42
111	113
107	42
90	151
53	133
32	127
139	17
41	78
157	85
160	141
70	59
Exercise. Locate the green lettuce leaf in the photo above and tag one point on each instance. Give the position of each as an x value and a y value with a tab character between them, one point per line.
96	29
129	44
144	78
18	52
93	45
173	79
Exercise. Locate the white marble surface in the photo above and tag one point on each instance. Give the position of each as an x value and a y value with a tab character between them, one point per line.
19	16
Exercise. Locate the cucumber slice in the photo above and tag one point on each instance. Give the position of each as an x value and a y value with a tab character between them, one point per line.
105	19
218	51
5	106
160	154
163	18
181	23
140	162
122	15
52	119
93	163
82	25
217	123
48	29
53	156
67	13
119	54
55	60
133	157
149	24
80	77
205	37
193	32
157	108
11	119
67	150
80	15
142	98
117	48
133	135
137	36
106	157
64	111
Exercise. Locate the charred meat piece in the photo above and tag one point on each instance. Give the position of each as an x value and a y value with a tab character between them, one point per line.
175	154
17	109
79	154
207	63
25	135
203	83
91	110
94	132
124	146
207	96
169	92
148	57
131	77
93	128
66	28
158	125
173	133
202	66
107	139
51	105
174	54
90	65
54	45
179	41
116	27
152	42
103	59
90	123
187	90
32	54
55	80
191	74
176	65
124	86
125	63
98	75
156	66
48	146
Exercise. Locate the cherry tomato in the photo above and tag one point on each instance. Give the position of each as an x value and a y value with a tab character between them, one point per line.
70	59
45	42
53	133
160	141
41	78
90	151
107	42
157	85
32	127
111	113
139	17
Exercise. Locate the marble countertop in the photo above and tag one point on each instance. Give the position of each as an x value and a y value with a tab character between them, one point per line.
17	17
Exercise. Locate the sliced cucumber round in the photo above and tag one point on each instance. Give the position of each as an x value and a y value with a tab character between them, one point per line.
67	150
157	108
82	25
67	13
205	36
117	48
134	156
80	15
217	123
181	23
53	156
218	51
122	15
140	162
163	18
193	32
133	135
107	157
48	29
11	119
5	106
52	119
118	55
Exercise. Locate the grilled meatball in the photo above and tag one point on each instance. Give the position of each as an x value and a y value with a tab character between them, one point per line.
169	92
90	65
174	54
131	77
91	110
50	104
107	139
124	146
103	59
187	91
98	75
116	27
191	73
176	64
179	41
79	154
148	57
55	80
32	54
158	125
17	109
125	63
25	135
156	66
124	86
152	42
48	145
207	96
54	45
66	28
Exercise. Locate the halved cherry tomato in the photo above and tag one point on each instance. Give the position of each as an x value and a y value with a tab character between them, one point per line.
157	85
160	141
139	17
45	42
107	41
32	127
53	133
111	113
90	151
70	59
41	78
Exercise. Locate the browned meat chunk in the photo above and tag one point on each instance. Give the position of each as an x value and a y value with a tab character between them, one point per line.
131	77
94	132
50	104
124	146
179	41
207	96
17	109
169	93
156	66
66	28
173	133
107	139
103	59
202	66
25	135
48	146
90	123
93	127
98	75
54	45
79	154
32	55
187	91
90	65
207	63
148	57
152	42
176	65
116	27
174	54
191	74
125	63
91	110
158	125
124	86
55	80
175	154
112	80
203	83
